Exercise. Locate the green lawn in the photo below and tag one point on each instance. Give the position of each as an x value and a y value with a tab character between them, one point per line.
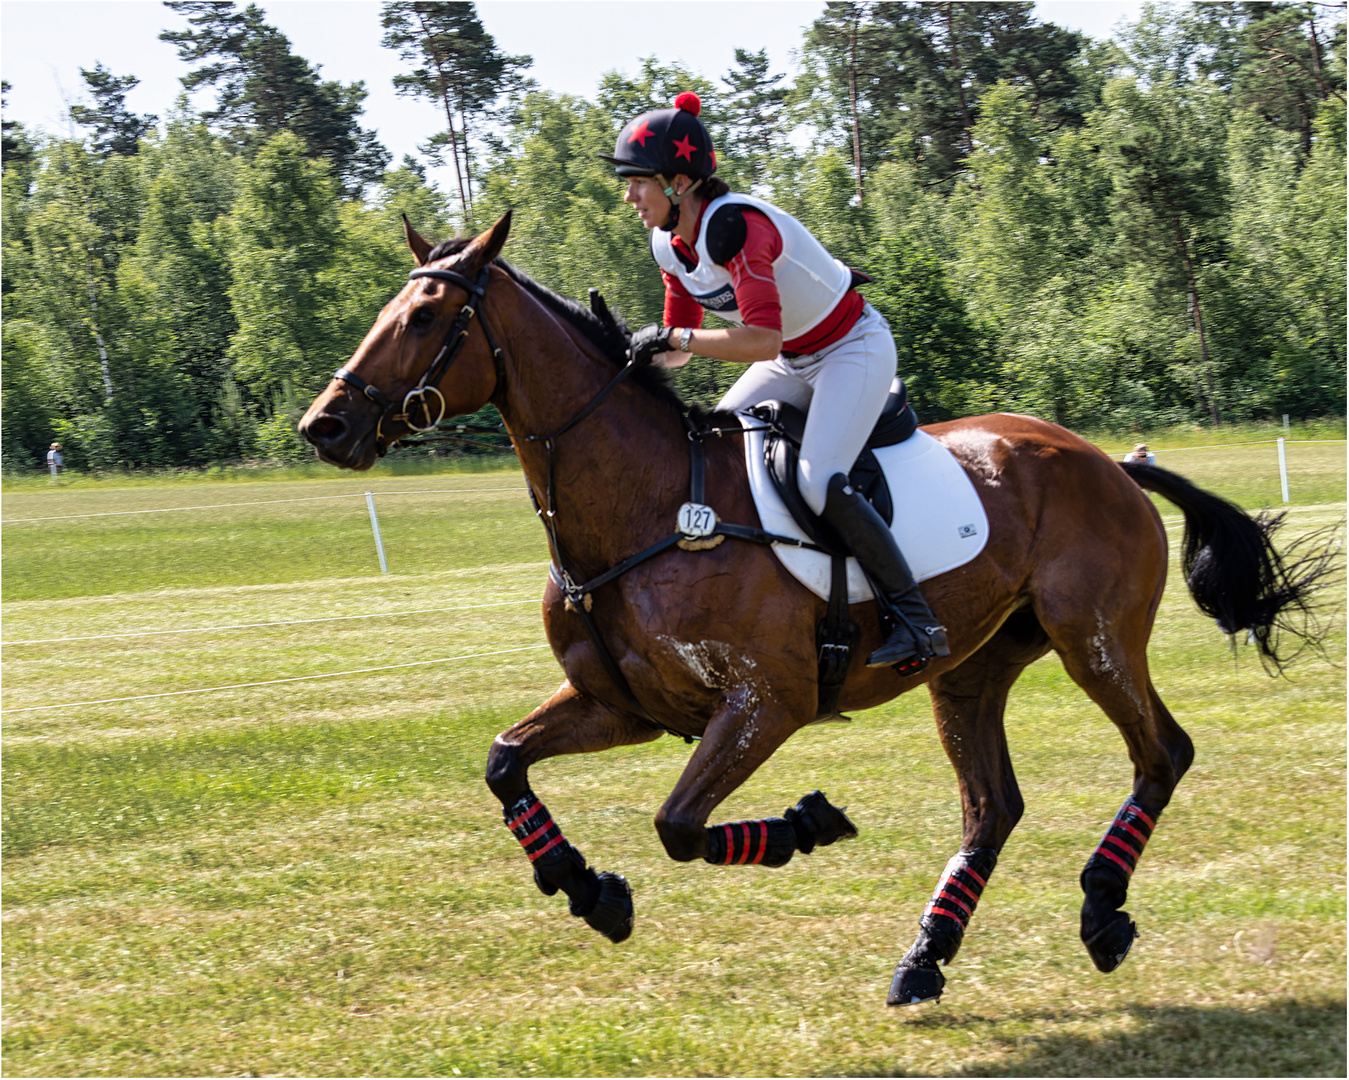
310	878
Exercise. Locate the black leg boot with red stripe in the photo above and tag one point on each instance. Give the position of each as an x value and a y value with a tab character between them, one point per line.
1107	932
604	901
918	976
813	822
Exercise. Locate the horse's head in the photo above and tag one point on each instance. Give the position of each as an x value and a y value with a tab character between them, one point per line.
397	380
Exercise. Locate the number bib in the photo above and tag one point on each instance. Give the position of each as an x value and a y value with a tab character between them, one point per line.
697	520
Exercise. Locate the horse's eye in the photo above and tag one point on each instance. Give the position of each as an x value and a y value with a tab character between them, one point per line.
424	315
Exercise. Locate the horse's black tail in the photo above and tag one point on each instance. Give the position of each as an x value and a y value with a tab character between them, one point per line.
1236	575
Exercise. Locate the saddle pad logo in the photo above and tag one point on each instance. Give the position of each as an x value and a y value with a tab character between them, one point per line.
721	300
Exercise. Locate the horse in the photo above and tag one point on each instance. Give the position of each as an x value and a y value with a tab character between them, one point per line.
675	641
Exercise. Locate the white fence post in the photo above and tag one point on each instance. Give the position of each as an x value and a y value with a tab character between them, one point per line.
1283	470
379	543
1285	423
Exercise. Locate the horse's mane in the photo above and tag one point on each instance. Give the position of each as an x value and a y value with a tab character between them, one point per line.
607	332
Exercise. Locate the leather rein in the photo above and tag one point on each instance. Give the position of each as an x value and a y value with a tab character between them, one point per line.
700	526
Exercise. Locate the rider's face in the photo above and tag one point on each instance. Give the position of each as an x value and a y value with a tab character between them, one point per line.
648	197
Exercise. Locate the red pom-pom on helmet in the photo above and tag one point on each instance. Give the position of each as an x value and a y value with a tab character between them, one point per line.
689	102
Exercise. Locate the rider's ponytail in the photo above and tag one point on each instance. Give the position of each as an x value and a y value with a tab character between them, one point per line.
714	188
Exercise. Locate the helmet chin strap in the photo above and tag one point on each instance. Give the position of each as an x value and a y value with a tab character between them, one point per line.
675	199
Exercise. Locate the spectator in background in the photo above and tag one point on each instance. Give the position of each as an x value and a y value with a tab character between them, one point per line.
54	459
1141	455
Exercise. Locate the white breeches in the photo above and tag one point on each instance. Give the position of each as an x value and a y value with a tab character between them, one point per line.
842	390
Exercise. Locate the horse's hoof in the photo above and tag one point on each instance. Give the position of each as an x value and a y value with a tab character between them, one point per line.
612	914
1111	944
914	985
818	823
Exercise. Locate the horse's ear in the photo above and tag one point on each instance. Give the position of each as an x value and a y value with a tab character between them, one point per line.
487	246
420	246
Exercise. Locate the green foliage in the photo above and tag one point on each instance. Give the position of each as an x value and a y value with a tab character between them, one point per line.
905	81
1111	236
946	358
754	108
28	405
283	232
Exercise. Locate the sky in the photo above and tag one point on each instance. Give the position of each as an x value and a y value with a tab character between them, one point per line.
44	43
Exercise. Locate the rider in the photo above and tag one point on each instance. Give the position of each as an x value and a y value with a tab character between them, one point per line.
809	337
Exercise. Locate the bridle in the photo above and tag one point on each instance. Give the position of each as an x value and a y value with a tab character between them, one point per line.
428	384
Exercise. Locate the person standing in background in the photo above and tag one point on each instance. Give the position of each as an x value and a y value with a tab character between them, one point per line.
55	461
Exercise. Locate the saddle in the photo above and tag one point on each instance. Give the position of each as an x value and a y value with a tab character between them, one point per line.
836	633
782	452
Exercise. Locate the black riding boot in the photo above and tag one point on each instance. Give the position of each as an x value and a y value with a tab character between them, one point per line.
917	636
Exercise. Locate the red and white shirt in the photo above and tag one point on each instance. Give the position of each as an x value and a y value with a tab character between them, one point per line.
779	266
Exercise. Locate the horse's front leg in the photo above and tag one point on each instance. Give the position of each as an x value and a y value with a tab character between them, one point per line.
743	733
567	723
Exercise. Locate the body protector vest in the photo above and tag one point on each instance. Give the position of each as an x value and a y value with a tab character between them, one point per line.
809	280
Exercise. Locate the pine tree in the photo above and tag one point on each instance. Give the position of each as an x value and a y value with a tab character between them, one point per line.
755	111
116	129
458	67
265	89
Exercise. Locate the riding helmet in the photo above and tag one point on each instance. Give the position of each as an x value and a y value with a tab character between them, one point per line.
666	143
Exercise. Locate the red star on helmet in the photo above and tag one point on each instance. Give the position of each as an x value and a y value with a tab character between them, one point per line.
640	134
684	148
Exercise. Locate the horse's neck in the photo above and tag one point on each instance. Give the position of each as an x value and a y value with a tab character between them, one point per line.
614	473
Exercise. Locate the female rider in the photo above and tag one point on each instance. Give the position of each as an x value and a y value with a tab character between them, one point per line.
808	336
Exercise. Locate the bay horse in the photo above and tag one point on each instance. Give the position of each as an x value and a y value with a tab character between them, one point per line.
719	645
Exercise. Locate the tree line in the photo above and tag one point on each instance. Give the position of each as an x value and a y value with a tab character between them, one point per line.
1105	234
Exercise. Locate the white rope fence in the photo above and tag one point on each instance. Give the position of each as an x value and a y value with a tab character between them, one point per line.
456	491
274	682
1281	442
255	502
1256	442
276	622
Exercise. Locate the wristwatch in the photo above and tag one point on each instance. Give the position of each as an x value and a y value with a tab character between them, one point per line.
684	336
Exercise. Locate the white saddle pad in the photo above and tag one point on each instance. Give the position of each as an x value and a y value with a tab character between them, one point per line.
939	520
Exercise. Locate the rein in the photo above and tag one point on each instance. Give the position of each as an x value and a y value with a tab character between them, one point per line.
697	528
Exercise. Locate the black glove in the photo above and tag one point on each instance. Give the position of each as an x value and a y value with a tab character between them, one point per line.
647	342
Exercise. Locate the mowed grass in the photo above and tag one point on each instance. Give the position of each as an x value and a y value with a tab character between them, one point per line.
310	878
85	541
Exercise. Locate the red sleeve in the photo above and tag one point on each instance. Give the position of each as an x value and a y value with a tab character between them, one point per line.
680	308
756	291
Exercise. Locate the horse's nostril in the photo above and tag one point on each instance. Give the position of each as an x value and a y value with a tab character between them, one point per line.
325	429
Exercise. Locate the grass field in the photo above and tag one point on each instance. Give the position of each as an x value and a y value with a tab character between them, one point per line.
310	878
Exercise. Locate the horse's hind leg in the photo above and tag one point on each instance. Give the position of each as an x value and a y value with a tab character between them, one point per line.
1103	649
969	701
568	723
